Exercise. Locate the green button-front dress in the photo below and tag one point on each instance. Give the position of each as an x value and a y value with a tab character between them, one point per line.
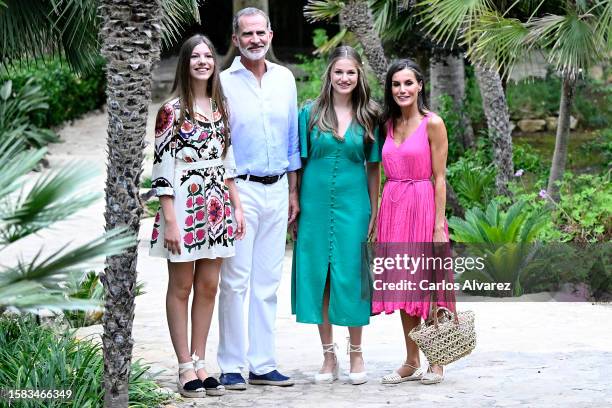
333	224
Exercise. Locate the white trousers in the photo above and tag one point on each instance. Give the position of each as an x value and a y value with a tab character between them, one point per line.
256	267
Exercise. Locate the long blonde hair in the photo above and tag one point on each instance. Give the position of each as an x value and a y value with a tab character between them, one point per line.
366	111
182	84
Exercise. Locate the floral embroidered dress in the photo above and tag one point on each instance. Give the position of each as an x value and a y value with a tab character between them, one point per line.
188	165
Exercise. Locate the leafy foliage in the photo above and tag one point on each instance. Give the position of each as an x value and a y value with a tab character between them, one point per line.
473	184
89	287
69	29
42	358
40	282
67	94
497	226
16	111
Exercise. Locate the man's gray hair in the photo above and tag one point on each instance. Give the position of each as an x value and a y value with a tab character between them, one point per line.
248	11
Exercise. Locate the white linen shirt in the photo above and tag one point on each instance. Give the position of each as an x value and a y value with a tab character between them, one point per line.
263	120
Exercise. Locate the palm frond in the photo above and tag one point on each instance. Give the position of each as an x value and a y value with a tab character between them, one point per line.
38	283
53	197
603	26
443	20
31	29
15	164
570	39
497	42
333	42
176	14
322	10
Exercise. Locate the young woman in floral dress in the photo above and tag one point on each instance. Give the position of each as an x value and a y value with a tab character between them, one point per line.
200	214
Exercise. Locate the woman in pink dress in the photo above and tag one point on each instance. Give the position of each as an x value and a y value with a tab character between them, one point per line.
413	200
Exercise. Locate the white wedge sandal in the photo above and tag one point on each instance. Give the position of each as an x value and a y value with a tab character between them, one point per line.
328	378
360	377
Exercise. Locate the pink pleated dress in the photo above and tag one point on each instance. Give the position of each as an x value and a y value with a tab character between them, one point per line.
407	212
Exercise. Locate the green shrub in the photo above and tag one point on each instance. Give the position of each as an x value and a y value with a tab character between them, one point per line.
46	358
496	226
89	287
17	108
600	146
527	158
473	183
68	95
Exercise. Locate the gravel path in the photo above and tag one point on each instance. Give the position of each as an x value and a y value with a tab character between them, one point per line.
528	354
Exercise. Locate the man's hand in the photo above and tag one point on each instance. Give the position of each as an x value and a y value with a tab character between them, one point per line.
294	207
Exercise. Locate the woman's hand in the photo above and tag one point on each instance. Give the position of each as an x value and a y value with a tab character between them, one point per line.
372	229
172	238
240	223
439	235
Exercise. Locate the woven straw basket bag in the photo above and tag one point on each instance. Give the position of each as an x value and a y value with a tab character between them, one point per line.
447	338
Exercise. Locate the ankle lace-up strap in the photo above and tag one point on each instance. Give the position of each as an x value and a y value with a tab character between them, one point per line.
352	348
184	367
329	348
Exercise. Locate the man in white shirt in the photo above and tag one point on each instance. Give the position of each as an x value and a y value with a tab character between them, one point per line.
262	101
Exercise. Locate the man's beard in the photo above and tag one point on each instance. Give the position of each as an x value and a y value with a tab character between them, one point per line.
254	55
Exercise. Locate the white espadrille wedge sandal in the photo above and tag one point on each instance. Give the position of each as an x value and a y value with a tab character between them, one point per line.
328	378
362	376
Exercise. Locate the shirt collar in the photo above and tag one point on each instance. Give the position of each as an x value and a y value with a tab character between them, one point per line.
238	66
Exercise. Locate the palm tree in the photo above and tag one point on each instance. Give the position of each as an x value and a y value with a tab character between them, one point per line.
445	21
131	32
574	35
130	62
397	23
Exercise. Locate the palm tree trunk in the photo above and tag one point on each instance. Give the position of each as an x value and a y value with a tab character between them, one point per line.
356	16
131	45
498	122
562	138
447	77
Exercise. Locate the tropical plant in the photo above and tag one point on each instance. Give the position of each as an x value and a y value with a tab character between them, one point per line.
473	184
74	29
16	112
40	282
502	240
89	287
34	29
494	226
574	38
68	95
40	357
130	61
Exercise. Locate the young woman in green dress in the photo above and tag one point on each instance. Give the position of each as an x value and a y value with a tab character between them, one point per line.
339	187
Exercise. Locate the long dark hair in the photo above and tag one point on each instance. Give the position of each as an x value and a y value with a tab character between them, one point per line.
183	80
391	110
365	110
